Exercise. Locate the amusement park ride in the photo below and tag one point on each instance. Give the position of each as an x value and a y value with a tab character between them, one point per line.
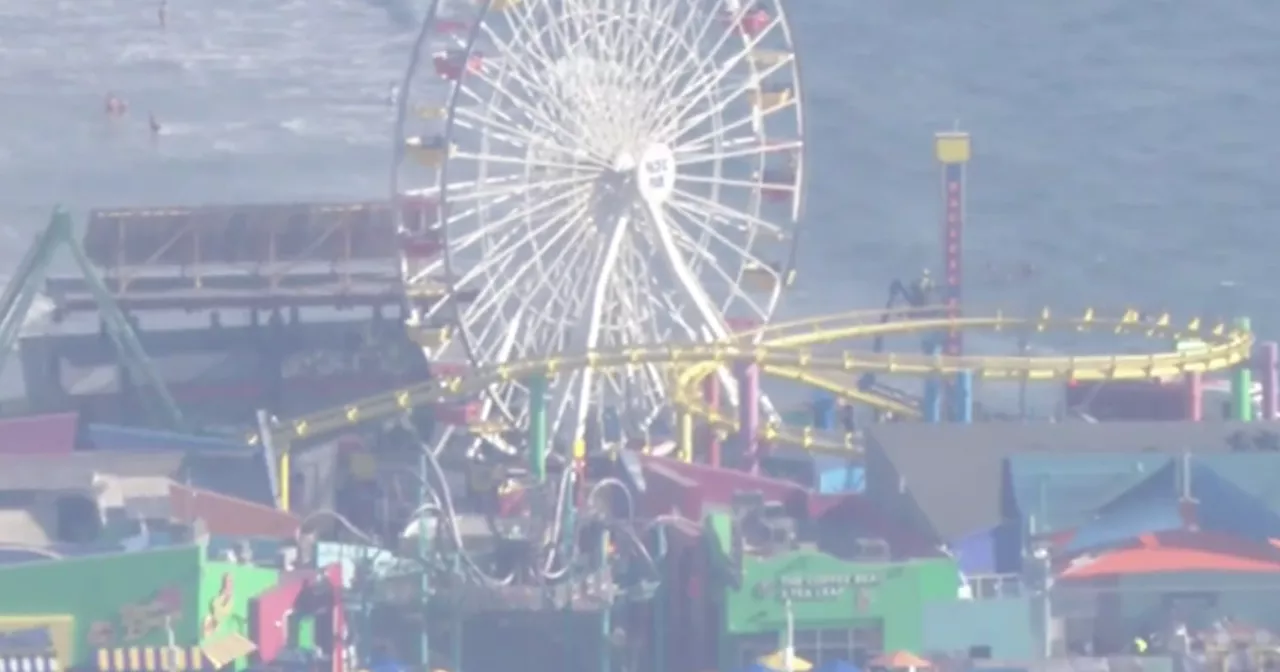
594	218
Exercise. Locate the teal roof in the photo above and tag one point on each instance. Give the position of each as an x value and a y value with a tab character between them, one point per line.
1064	490
1252	472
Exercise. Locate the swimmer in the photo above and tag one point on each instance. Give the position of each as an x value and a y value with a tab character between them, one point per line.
115	106
393	95
162	14
155	127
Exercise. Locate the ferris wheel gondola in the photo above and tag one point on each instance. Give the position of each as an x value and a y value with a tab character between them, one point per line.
606	174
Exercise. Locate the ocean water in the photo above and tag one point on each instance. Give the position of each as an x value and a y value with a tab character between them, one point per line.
1126	150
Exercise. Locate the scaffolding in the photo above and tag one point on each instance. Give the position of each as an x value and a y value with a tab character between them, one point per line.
28	283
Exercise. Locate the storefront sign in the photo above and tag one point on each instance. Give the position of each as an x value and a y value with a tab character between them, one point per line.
809	588
26	641
36	636
136	621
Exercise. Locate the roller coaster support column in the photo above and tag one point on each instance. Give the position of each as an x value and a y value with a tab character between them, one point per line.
606	614
1266	365
824	410
1194	391
1242	382
685	438
537	387
424	551
931	404
459	622
952	150
711	395
962	398
663	603
748	377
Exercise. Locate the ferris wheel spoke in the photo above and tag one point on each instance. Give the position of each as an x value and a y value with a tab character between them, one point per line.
756	148
676	113
496	196
706	83
668	84
513	288
754	120
735	289
530	111
721	181
509	294
697	202
520	137
495	259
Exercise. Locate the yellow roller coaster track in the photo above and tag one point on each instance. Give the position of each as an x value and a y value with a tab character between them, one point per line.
788	350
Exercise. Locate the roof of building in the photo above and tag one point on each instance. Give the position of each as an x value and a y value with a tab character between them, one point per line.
1185	494
955	472
51	434
228	516
241	474
1178	551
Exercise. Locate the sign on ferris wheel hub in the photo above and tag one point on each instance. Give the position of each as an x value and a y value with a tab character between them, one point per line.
656	173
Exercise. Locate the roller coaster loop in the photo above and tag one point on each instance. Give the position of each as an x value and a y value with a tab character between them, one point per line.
788	350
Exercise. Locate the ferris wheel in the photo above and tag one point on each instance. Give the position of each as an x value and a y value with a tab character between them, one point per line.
588	174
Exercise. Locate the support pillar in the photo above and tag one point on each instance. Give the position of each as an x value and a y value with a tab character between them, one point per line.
747	375
711	395
605	642
664	600
424	553
962	398
685	438
1266	365
824	410
1194	396
538	428
931	403
1242	383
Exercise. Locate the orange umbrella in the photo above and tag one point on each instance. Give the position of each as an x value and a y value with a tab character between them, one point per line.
901	660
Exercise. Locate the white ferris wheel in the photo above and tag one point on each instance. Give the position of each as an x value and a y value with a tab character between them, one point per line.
596	174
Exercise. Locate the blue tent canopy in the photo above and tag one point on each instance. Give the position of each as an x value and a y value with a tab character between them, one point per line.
1156	505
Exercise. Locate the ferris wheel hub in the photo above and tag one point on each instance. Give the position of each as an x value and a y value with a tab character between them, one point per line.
656	174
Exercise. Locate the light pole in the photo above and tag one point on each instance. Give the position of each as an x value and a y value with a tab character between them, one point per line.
1044	562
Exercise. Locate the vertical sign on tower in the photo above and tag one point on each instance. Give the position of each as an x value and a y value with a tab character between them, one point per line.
952	150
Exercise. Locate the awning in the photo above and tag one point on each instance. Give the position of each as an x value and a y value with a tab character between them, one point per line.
39	663
152	659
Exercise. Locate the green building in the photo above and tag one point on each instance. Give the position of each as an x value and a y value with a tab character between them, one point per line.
843	609
166	609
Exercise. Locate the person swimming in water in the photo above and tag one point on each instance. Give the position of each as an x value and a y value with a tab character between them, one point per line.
155	127
162	13
115	107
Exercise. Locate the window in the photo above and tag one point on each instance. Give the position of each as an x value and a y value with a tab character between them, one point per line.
78	520
854	645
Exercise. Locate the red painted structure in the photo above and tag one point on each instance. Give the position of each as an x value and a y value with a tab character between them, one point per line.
270	611
228	516
51	434
953	251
